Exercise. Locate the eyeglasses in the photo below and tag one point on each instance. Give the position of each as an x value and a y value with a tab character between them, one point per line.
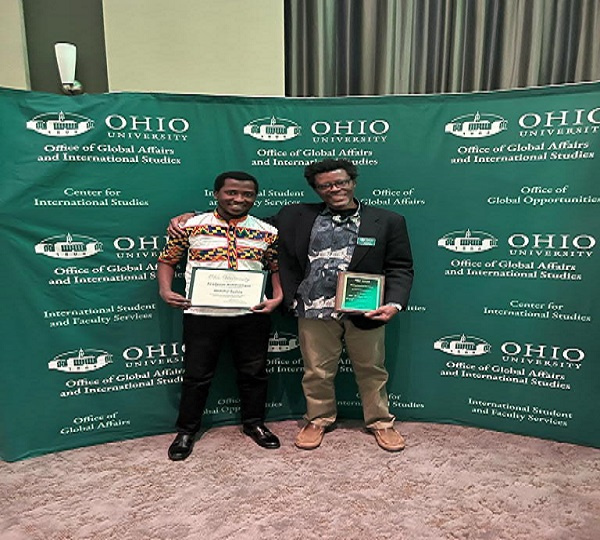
330	185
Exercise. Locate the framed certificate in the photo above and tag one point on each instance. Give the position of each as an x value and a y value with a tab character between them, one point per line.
225	288
359	293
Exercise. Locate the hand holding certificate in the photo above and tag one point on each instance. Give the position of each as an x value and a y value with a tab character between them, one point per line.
224	288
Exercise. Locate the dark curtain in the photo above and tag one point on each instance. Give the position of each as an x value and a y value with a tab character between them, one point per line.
375	47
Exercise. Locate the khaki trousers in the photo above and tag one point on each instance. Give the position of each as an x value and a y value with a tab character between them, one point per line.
321	343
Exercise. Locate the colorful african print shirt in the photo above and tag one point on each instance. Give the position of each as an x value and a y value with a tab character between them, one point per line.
210	241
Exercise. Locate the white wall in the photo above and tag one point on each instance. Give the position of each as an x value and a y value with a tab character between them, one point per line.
14	72
195	46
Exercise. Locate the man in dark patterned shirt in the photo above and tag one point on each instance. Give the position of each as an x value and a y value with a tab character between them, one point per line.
317	241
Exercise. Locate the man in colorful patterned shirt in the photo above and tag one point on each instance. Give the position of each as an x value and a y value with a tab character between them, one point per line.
228	238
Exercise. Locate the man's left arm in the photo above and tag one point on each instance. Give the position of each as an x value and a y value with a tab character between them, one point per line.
271	259
397	269
268	305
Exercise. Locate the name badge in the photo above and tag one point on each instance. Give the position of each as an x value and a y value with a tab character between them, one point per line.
365	241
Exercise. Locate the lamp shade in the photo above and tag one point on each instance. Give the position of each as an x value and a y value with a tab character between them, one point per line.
66	58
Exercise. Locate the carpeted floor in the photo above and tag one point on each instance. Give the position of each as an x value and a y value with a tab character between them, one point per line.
451	482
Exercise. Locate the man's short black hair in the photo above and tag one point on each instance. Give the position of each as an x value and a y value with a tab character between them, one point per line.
236	175
317	167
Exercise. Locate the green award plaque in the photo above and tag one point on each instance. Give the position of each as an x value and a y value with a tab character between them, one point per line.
358	292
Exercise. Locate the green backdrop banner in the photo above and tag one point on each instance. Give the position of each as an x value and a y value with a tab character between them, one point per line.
500	192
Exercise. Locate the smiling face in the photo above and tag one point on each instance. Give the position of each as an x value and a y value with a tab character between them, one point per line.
336	189
235	198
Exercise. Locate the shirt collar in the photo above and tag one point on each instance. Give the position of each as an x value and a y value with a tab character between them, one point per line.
337	216
234	221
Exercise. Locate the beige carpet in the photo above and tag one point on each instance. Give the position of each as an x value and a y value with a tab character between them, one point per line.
451	482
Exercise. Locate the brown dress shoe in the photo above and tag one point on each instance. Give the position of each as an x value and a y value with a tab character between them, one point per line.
310	436
389	439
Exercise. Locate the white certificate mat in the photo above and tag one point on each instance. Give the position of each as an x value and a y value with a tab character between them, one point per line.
225	288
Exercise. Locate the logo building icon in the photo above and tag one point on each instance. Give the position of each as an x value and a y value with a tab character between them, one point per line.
283	342
60	124
468	241
80	361
272	129
462	345
68	246
476	126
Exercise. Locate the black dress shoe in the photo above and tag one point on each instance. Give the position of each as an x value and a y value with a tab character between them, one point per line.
262	436
181	447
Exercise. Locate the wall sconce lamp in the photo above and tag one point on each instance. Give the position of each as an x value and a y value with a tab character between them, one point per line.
66	58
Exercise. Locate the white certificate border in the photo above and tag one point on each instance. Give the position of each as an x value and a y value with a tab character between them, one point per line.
194	281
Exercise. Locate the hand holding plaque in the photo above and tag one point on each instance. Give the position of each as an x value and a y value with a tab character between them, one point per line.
359	293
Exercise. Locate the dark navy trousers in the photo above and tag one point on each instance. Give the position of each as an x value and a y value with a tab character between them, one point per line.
203	338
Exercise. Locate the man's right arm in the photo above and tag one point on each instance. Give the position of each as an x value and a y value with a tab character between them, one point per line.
164	276
173	252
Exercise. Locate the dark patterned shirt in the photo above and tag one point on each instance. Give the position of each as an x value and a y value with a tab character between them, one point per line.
332	242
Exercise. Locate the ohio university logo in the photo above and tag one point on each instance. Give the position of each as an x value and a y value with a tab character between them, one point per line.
537	243
272	129
552	355
541	244
283	342
468	241
68	246
143	127
60	124
80	361
571	121
533	354
462	345
476	126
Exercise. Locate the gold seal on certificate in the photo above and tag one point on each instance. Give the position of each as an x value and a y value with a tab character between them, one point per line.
225	288
359	292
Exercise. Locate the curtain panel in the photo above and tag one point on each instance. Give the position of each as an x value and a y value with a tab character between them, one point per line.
375	47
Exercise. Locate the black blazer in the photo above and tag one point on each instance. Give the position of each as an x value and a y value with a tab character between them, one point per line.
391	255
